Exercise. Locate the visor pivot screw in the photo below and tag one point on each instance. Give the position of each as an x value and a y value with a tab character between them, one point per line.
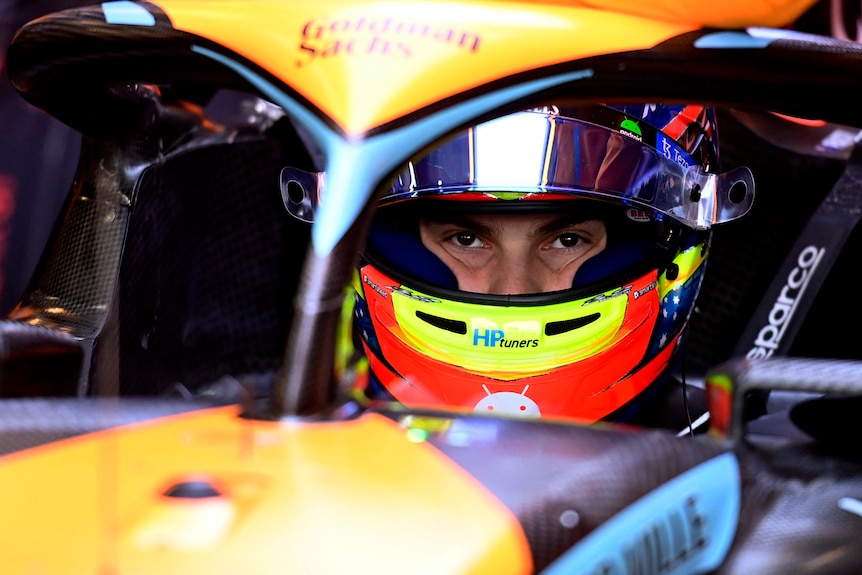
295	192
695	193
672	272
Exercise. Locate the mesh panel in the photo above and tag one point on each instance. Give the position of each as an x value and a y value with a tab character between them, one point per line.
209	270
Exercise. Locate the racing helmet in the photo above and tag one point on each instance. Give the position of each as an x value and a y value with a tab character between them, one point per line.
590	351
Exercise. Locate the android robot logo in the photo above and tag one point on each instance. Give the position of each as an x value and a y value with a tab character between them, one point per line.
508	403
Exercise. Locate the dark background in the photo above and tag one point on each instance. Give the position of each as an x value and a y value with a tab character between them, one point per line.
37	163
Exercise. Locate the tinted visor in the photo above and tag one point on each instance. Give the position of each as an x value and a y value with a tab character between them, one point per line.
529	155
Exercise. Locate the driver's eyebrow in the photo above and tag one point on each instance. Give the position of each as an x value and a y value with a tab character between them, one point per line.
563	221
551	226
461	220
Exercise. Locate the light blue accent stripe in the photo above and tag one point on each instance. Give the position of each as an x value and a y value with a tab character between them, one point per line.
731	40
764	33
370	160
125	12
318	130
701	505
850	504
354	167
753	37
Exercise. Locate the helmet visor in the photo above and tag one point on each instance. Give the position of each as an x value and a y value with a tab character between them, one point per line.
531	155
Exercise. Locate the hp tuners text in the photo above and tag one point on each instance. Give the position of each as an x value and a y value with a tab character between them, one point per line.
497	338
770	335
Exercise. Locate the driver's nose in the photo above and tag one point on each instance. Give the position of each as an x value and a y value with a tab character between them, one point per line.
522	275
513	280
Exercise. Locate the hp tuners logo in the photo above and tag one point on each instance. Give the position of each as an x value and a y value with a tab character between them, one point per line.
769	336
492	337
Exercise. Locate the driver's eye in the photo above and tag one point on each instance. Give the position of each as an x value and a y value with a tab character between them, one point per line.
569	240
465	238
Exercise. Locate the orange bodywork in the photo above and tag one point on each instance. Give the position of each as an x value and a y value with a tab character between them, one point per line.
295	498
364	64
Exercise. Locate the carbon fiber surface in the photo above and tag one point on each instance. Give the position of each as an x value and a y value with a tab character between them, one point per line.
26	423
579	492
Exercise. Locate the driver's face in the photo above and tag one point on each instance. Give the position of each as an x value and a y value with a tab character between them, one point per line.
513	253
